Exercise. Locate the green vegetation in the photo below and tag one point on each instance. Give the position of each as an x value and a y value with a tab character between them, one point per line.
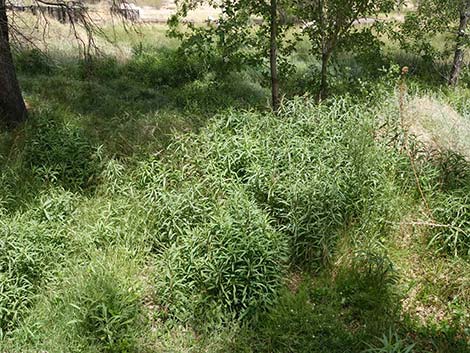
152	203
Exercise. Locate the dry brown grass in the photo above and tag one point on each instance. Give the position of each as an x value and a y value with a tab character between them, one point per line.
438	126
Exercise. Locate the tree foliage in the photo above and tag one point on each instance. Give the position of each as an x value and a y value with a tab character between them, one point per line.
239	36
332	25
246	33
433	18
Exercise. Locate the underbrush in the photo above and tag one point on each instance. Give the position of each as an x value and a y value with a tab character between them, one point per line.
274	233
315	170
227	269
452	232
93	306
33	244
134	106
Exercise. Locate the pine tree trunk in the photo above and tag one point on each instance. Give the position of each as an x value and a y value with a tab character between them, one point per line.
459	50
273	58
12	106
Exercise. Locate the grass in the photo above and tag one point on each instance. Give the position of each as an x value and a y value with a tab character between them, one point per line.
152	205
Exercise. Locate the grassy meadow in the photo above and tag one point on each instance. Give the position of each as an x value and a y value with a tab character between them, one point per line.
154	204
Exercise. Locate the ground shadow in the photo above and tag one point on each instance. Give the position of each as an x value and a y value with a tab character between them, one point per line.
119	110
124	106
347	312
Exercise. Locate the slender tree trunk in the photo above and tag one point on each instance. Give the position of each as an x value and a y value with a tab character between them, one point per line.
325	60
273	58
12	106
459	50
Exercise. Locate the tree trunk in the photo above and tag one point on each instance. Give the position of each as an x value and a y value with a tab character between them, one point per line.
325	60
273	58
12	106
459	50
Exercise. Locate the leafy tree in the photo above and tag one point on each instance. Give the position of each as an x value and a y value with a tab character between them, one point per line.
331	25
438	17
247	32
273	55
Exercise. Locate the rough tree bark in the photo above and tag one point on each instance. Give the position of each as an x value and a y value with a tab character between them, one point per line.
460	50
12	106
273	57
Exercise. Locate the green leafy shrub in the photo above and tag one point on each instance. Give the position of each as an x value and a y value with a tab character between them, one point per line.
227	268
454	171
175	201
164	67
315	169
56	205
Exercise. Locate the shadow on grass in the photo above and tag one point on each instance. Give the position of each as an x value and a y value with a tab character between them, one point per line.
348	311
84	113
143	102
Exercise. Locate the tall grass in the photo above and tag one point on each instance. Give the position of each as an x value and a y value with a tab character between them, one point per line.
141	201
314	169
92	306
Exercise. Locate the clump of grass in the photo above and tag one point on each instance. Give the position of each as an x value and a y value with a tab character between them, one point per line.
176	201
331	310
451	206
452	213
228	268
315	169
30	250
307	320
366	287
93	307
391	343
59	153
107	309
437	156
33	62
165	68
438	126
